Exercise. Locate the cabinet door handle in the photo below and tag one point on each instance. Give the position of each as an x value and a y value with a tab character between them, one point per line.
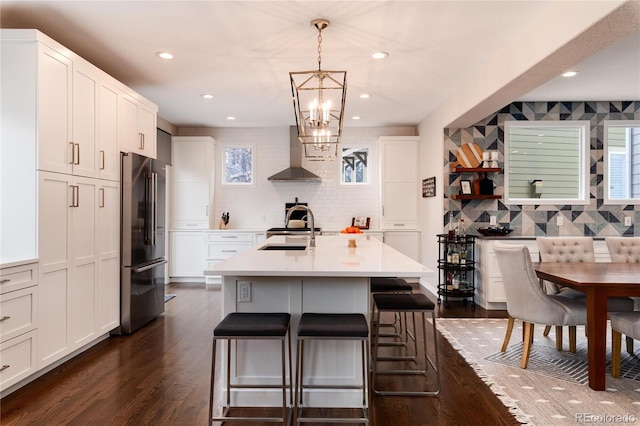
229	251
101	198
77	158
191	224
101	159
5	280
73	153
73	195
206	210
4	367
141	140
4	318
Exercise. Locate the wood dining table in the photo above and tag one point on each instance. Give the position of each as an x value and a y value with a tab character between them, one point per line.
598	280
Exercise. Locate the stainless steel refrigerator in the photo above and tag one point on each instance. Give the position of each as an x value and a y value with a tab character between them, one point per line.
142	240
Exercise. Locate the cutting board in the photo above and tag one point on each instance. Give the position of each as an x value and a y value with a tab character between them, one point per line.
469	155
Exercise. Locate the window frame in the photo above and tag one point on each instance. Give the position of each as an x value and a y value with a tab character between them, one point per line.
605	158
368	166
584	127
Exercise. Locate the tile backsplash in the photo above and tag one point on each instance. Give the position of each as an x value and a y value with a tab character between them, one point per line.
595	219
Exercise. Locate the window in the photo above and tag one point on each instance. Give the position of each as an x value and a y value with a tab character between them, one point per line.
622	162
546	162
237	165
354	166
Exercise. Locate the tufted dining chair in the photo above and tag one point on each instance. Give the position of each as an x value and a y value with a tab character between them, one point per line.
627	323
574	249
565	249
625	250
528	302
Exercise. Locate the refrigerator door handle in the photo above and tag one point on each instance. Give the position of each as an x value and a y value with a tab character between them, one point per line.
154	207
149	266
150	225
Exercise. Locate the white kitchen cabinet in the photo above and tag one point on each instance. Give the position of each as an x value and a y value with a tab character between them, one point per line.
108	158
221	245
68	264
399	186
52	119
18	328
19	357
406	242
60	119
66	96
192	181
136	126
84	121
187	256
108	239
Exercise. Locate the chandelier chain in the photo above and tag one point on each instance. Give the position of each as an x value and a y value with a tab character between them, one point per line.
319	49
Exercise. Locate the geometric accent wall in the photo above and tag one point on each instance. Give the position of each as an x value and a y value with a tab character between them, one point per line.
595	219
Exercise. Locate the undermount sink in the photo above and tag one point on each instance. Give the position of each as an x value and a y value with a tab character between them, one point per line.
283	247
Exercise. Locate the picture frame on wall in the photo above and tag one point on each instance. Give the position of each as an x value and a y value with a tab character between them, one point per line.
429	187
361	222
465	187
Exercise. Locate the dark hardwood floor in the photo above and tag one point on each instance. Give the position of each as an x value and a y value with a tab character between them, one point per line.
160	376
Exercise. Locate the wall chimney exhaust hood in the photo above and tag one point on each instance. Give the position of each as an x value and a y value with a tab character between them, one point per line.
295	172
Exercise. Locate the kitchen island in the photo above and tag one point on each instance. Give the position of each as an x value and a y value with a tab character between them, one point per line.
283	275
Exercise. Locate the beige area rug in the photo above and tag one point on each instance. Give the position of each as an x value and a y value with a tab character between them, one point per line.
553	389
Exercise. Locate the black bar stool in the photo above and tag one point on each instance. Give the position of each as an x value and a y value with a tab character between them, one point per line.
405	303
392	285
332	327
253	326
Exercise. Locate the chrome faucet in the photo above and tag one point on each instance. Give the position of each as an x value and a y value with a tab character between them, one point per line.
312	238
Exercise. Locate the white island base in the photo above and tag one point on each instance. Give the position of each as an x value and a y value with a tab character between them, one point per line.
333	362
331	278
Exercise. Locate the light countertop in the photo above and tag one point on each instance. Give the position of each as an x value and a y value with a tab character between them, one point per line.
8	262
330	258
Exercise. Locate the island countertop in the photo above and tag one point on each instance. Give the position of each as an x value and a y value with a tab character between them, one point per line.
330	258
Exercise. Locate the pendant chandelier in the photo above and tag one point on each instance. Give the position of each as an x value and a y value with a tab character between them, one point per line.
318	102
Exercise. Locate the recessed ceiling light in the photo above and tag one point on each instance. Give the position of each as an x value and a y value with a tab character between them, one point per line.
355	117
380	55
570	73
164	55
206	96
365	96
231	118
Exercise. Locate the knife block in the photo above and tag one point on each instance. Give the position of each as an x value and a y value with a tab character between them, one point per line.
223	225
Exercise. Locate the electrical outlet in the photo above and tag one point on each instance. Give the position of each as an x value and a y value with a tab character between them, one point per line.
244	291
560	220
627	221
492	220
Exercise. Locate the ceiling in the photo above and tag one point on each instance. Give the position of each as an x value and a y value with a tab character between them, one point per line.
242	51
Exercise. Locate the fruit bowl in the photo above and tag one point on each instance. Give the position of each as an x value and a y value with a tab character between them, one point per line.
352	234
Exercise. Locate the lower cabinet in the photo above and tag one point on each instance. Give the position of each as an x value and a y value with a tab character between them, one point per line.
221	245
79	280
406	242
19	323
187	256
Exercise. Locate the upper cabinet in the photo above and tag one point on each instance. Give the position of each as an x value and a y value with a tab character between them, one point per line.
136	126
192	183
399	182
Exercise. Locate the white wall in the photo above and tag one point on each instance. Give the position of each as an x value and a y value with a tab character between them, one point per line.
262	205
